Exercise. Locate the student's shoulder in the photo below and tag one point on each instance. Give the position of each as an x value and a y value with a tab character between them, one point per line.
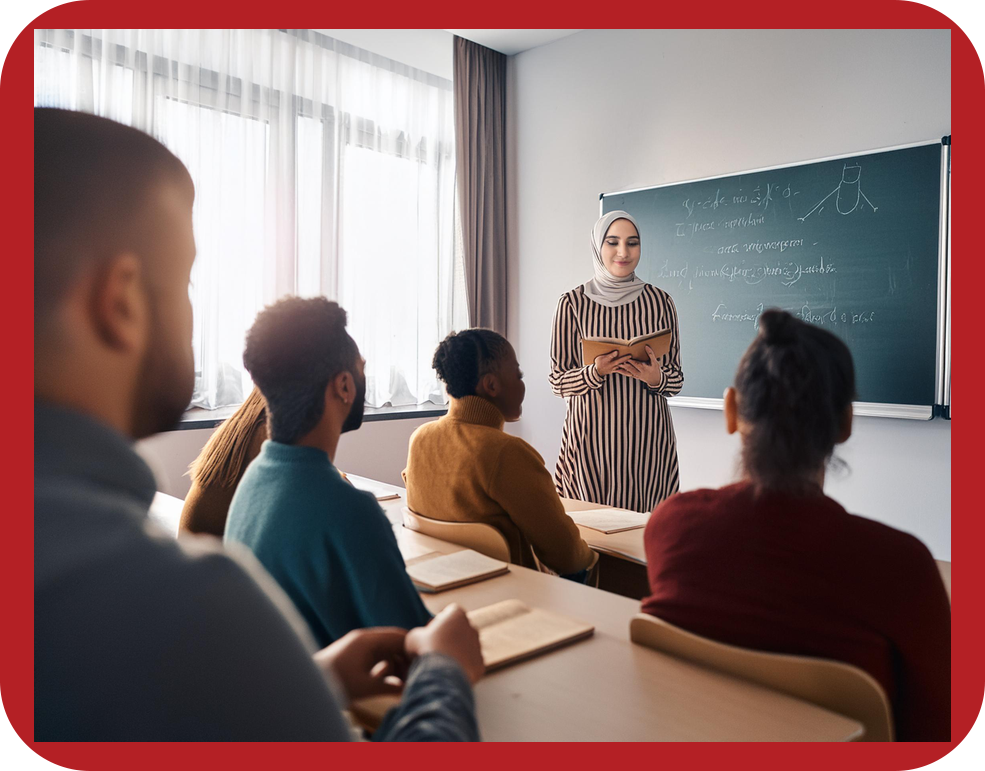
425	430
698	500
514	447
352	509
875	538
228	585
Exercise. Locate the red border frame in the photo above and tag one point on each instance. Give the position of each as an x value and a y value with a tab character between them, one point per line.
16	560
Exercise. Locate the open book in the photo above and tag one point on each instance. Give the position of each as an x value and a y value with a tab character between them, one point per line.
439	572
511	631
381	491
609	520
592	347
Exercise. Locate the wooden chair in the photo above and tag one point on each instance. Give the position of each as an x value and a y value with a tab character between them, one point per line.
480	537
477	536
833	685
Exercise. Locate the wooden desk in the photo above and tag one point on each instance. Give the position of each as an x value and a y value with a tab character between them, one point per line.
606	688
165	510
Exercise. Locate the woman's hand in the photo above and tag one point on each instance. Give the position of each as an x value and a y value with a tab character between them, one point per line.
649	372
608	363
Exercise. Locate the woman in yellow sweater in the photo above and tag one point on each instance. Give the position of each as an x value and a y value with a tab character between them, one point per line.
465	468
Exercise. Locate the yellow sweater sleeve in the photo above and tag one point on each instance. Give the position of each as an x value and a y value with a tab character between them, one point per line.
522	485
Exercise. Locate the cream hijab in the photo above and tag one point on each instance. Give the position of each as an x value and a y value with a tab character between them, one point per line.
605	288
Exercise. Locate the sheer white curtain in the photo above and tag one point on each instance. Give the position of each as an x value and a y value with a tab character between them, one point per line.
319	168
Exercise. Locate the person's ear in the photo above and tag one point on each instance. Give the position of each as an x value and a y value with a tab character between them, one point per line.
120	305
490	385
731	409
845	430
343	387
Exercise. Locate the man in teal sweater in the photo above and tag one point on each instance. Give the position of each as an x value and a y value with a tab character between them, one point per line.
328	545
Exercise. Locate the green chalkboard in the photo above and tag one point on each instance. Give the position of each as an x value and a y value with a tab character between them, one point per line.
851	244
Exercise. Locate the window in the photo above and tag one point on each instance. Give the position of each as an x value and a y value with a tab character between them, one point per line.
319	169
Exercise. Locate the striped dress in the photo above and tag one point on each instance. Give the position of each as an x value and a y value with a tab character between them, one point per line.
618	446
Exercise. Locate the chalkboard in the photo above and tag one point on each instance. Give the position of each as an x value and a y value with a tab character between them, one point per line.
851	244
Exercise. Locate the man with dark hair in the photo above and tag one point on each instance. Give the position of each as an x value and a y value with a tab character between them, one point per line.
328	545
138	637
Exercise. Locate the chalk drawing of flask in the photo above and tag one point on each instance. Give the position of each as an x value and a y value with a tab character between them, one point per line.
849	190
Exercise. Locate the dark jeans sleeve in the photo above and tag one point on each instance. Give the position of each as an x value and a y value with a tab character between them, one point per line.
437	705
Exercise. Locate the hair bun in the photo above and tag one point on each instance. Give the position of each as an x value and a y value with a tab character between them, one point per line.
778	327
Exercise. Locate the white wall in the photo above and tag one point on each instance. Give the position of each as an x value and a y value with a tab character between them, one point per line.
608	110
377	450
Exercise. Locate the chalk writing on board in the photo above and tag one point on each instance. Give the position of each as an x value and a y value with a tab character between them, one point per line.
722	313
787	273
848	194
819	317
761	196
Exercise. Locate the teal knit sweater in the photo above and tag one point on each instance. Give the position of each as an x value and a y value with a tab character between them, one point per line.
327	544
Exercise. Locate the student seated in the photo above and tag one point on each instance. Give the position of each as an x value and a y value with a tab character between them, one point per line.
773	564
465	468
329	545
139	637
219	467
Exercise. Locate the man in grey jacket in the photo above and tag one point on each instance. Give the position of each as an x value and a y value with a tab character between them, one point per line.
138	636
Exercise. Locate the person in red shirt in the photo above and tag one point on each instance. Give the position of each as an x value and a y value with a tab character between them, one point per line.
772	563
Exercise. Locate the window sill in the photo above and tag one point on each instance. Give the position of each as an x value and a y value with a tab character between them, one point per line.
197	418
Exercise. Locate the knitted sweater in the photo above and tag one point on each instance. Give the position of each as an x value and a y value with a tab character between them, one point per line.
800	575
465	468
328	545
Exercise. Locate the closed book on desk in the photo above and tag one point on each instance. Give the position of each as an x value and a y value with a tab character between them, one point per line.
511	631
439	572
593	347
609	520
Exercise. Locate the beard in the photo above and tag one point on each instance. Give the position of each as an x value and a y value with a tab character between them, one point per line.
355	417
165	384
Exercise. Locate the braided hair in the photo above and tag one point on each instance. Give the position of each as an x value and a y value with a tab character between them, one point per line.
794	383
463	358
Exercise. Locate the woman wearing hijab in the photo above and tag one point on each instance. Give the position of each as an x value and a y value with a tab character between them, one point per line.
618	446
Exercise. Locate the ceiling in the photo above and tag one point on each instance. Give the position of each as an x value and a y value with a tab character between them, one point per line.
512	41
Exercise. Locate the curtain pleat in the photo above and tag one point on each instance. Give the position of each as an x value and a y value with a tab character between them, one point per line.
480	132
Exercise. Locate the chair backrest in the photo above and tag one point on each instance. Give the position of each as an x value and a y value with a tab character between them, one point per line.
833	685
477	536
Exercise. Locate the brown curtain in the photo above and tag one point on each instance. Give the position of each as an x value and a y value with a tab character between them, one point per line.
480	141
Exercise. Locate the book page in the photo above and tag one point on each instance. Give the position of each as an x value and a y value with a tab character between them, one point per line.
521	631
382	491
609	520
641	338
607	340
496	614
412	551
453	568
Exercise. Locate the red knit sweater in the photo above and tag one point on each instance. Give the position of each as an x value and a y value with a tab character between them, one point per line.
800	575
